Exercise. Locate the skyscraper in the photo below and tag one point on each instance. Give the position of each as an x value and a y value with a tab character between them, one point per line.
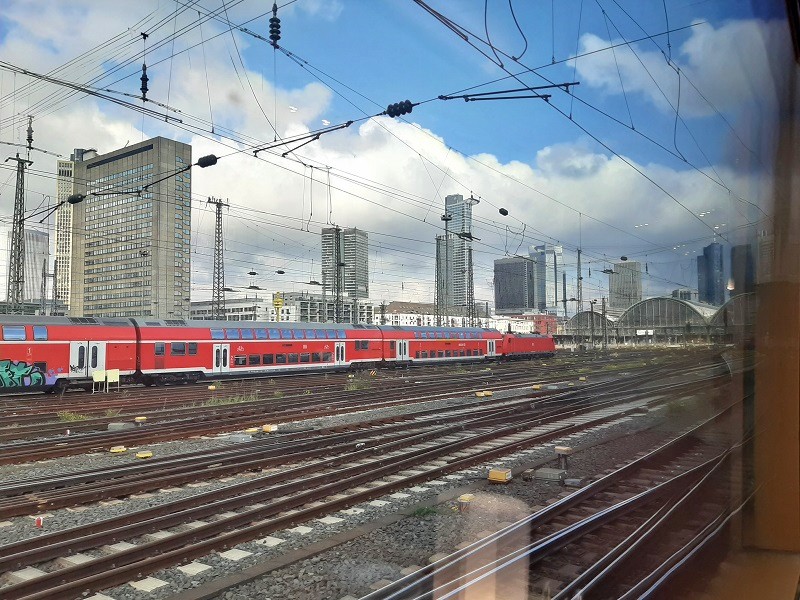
130	245
515	283
710	276
460	231
37	252
354	253
742	270
550	265
65	187
625	285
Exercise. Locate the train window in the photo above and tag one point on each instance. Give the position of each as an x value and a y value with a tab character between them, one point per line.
267	359
416	355
254	360
239	361
447	353
316	357
160	348
274	334
14	333
330	334
320	334
391	345
293	359
286	334
423	354
248	334
217	334
39	332
261	334
81	357
440	335
216	357
305	357
424	335
340	334
192	348
310	334
440	354
280	359
177	349
93	362
462	353
232	334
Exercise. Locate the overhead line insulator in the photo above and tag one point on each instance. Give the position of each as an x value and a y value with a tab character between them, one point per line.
274	26
400	108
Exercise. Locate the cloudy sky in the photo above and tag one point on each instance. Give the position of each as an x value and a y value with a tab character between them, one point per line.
659	150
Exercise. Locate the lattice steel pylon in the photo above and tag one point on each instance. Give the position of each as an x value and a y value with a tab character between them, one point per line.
16	262
218	281
470	289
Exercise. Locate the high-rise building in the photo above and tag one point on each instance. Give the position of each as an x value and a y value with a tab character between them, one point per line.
766	253
515	284
625	285
353	248
710	275
742	270
460	231
444	274
130	244
65	187
549	259
37	253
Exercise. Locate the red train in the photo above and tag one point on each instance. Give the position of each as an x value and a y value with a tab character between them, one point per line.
48	353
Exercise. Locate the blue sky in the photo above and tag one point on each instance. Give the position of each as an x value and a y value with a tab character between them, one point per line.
523	155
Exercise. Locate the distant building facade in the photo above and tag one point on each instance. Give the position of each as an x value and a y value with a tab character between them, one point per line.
742	270
459	232
549	259
130	250
685	294
516	282
710	275
352	246
625	285
36	255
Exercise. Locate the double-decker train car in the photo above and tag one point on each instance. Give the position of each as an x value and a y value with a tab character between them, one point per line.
47	353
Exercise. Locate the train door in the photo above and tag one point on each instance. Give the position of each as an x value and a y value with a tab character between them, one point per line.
222	358
402	349
339	354
491	348
86	357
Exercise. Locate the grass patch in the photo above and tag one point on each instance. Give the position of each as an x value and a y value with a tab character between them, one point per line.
222	401
277	394
425	511
113	412
68	416
356	384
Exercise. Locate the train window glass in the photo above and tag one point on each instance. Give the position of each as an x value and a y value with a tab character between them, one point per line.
39	332
239	361
216	357
267	359
310	334
293	359
192	348
424	335
316	357
423	354
440	354
340	334
447	353
462	353
391	345
217	334
254	360
274	334
330	334
13	333
439	335
93	363
327	357
286	334
81	357
416	355
261	334
280	359
298	334
305	357
232	334
247	334
320	334
178	349
160	348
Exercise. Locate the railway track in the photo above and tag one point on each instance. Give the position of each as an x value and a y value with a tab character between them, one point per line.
269	503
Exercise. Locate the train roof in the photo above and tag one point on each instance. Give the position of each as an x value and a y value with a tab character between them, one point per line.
46	320
202	323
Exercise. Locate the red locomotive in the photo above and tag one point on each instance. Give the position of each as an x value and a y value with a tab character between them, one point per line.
48	353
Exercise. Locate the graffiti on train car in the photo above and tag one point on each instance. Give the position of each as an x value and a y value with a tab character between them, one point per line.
22	374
